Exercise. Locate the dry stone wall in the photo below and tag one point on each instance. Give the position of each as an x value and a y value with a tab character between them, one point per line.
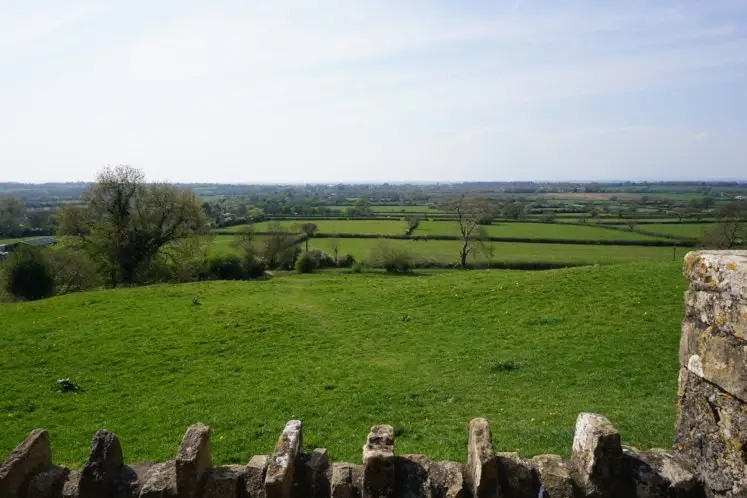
709	458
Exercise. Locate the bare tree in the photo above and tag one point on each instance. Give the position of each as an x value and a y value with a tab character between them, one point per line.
467	212
279	246
127	222
335	245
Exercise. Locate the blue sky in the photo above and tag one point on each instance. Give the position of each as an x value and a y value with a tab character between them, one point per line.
374	90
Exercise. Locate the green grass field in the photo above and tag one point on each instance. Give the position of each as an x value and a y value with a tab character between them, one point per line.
405	209
385	227
691	230
447	251
527	350
534	230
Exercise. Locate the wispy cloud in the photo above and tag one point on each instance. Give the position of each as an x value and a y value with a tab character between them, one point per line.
384	89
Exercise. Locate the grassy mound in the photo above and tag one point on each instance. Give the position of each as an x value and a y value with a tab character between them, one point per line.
527	350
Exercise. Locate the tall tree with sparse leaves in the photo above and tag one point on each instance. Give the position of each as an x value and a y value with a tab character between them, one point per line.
126	221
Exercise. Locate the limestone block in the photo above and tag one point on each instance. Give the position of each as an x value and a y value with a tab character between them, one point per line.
596	457
100	473
192	460
254	479
281	470
159	481
31	456
447	480
554	476
719	358
517	476
659	474
223	482
378	462
346	480
711	432
48	483
482	465
724	272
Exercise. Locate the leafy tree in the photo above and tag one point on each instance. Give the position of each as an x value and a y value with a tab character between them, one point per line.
309	229
126	222
279	246
731	229
513	210
12	212
361	207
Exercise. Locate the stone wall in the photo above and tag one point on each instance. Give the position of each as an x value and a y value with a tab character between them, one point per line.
708	459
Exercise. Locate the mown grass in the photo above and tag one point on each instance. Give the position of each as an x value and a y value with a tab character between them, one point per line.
534	230
343	352
447	251
691	230
384	227
405	209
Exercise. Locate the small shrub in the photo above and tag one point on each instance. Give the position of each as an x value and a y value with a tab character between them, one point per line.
392	259
321	258
346	261
306	263
357	267
226	267
28	274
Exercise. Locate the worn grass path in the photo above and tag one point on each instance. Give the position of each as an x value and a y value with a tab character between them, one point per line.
527	350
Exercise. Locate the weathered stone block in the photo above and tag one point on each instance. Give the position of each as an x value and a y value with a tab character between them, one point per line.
100	473
378	462
223	482
346	480
31	456
447	480
192	460
254	479
159	481
554	476
70	488
517	476
711	432
712	309
311	477
413	474
659	474
596	461
720	359
482	465
47	483
718	271
280	472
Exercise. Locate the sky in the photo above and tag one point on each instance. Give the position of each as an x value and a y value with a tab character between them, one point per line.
374	90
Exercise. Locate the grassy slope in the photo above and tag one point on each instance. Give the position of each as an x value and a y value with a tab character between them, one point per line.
343	352
534	230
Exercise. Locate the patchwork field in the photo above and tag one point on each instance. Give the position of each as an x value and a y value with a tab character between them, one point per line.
527	350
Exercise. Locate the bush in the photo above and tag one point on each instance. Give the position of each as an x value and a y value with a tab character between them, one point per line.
346	261
321	258
73	270
306	263
226	267
392	259
357	267
253	267
28	274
